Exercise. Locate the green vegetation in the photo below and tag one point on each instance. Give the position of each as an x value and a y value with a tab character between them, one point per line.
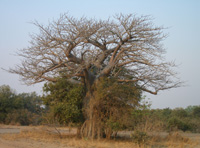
64	102
186	119
112	105
139	137
115	107
22	109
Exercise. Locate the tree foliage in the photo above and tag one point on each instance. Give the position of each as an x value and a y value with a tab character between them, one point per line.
6	101
24	108
64	100
176	119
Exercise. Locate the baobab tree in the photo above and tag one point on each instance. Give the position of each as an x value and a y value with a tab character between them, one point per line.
125	47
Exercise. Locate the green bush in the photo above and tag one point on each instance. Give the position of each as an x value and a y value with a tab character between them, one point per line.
139	137
114	125
175	123
23	117
180	113
196	112
64	100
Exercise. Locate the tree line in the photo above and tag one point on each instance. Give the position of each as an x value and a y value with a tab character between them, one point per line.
61	105
20	109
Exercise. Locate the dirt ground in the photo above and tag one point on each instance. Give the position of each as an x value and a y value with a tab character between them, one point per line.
25	137
51	137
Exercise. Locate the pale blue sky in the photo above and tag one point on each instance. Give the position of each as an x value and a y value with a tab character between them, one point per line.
183	44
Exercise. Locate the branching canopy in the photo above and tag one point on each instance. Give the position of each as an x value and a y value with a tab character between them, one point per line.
126	47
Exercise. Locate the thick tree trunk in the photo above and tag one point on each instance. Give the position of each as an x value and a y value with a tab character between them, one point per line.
92	128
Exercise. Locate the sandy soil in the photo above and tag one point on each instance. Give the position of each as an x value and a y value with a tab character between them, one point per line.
26	143
8	140
34	137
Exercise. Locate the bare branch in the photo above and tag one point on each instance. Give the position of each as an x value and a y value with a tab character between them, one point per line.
127	47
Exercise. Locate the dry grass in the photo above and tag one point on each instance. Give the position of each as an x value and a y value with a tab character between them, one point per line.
175	140
68	139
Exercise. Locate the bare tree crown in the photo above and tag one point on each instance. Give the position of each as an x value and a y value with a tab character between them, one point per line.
126	47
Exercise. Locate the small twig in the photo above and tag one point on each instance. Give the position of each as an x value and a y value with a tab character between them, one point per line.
60	135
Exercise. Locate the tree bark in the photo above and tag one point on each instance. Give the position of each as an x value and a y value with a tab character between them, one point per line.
92	128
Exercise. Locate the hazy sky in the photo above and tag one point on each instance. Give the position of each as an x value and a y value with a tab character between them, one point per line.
182	45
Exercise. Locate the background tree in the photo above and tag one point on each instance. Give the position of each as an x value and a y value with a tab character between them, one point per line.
7	96
196	112
23	109
126	47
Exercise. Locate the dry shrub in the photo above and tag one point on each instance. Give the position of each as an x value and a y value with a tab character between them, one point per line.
176	140
147	131
172	140
176	137
140	137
